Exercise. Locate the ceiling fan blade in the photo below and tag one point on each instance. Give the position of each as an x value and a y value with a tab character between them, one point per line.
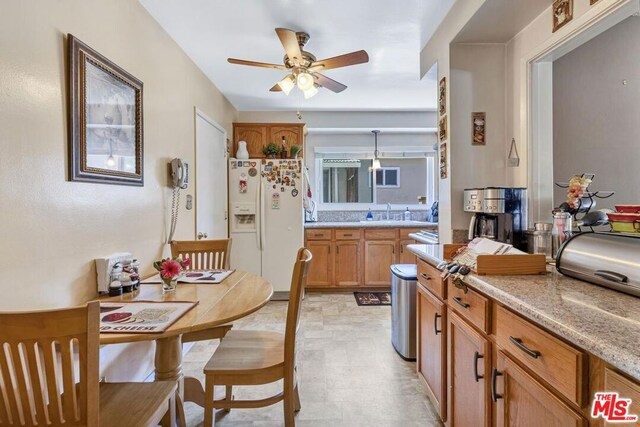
289	40
330	84
353	58
255	64
276	88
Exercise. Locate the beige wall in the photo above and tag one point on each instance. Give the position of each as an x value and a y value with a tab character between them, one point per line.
53	229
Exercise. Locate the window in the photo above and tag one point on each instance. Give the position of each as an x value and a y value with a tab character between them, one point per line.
387	177
348	179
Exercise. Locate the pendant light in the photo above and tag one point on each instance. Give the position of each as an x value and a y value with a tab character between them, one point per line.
311	92
376	162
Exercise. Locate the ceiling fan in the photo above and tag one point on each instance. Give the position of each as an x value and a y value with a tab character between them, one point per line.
303	67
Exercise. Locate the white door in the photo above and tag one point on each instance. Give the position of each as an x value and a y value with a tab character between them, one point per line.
211	179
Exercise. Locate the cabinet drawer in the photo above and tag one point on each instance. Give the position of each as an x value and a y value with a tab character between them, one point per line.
347	234
380	233
404	232
318	234
470	305
429	277
556	362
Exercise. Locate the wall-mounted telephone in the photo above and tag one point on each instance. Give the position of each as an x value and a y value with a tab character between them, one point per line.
179	173
179	179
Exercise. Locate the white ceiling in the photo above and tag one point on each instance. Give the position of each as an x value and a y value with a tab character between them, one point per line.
392	32
498	21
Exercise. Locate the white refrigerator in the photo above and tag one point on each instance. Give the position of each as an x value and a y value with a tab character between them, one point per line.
266	218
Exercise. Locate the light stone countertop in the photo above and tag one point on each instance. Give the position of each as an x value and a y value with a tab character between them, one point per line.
371	224
601	321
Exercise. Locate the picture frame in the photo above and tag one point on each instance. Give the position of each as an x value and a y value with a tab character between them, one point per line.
442	129
442	96
105	119
478	128
443	160
562	13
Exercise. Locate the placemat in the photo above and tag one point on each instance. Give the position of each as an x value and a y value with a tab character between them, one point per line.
211	277
141	317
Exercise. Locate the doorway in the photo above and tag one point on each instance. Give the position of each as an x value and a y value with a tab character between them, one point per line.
211	178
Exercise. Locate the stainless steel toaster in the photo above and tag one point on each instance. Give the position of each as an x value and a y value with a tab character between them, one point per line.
606	259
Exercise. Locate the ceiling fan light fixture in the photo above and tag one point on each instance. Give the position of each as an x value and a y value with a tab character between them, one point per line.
287	84
375	164
304	81
311	92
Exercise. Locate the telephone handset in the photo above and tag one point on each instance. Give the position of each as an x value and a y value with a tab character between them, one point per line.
179	173
179	179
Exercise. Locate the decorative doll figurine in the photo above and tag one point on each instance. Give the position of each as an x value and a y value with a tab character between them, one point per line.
242	152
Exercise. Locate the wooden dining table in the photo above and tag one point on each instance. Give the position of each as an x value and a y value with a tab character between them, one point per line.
237	296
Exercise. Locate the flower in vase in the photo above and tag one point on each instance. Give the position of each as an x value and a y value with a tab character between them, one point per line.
170	269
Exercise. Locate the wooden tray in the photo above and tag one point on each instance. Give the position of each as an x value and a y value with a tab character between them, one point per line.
503	265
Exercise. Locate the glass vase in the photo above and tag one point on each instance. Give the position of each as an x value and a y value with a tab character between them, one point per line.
169	286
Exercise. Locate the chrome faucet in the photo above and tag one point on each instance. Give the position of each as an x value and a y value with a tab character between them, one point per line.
388	211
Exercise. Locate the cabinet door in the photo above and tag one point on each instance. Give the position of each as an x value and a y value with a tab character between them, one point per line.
319	272
254	135
405	256
469	362
521	401
379	255
347	263
292	135
431	358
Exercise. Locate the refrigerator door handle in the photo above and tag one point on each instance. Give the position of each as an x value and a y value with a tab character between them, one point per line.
259	216
262	214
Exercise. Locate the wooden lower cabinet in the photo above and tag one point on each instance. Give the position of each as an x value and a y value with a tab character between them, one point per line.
432	342
405	256
469	362
379	255
521	401
347	263
320	271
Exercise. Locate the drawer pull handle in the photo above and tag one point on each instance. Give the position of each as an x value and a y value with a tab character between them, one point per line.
318	235
494	376
435	324
477	356
461	303
348	235
518	343
425	276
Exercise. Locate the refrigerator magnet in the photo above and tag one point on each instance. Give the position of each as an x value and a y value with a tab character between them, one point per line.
275	201
234	165
253	171
294	192
267	168
282	189
253	164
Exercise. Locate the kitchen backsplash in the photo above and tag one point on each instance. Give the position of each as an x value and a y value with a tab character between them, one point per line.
349	216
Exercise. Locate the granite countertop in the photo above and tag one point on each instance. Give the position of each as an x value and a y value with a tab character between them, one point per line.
601	321
371	224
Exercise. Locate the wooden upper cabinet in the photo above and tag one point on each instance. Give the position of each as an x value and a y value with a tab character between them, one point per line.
254	135
292	135
469	376
521	401
258	135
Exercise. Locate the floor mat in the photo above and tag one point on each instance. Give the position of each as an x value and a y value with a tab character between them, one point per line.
373	298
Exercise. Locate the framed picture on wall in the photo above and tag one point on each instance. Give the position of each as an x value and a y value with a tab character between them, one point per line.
442	129
478	128
105	119
562	13
442	96
443	160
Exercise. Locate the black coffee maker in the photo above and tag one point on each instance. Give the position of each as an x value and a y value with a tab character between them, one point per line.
499	213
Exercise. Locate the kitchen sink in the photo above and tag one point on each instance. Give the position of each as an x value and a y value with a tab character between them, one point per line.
392	222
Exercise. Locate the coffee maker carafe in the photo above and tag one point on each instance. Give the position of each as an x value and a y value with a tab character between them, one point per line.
499	213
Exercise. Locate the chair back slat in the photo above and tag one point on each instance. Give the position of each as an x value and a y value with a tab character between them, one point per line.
298	281
38	382
203	254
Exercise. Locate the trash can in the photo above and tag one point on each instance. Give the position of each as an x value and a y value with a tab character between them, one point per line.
403	309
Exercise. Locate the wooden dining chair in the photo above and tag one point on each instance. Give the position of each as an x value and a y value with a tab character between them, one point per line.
41	353
259	357
204	254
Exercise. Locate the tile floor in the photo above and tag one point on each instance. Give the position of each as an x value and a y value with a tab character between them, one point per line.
348	372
